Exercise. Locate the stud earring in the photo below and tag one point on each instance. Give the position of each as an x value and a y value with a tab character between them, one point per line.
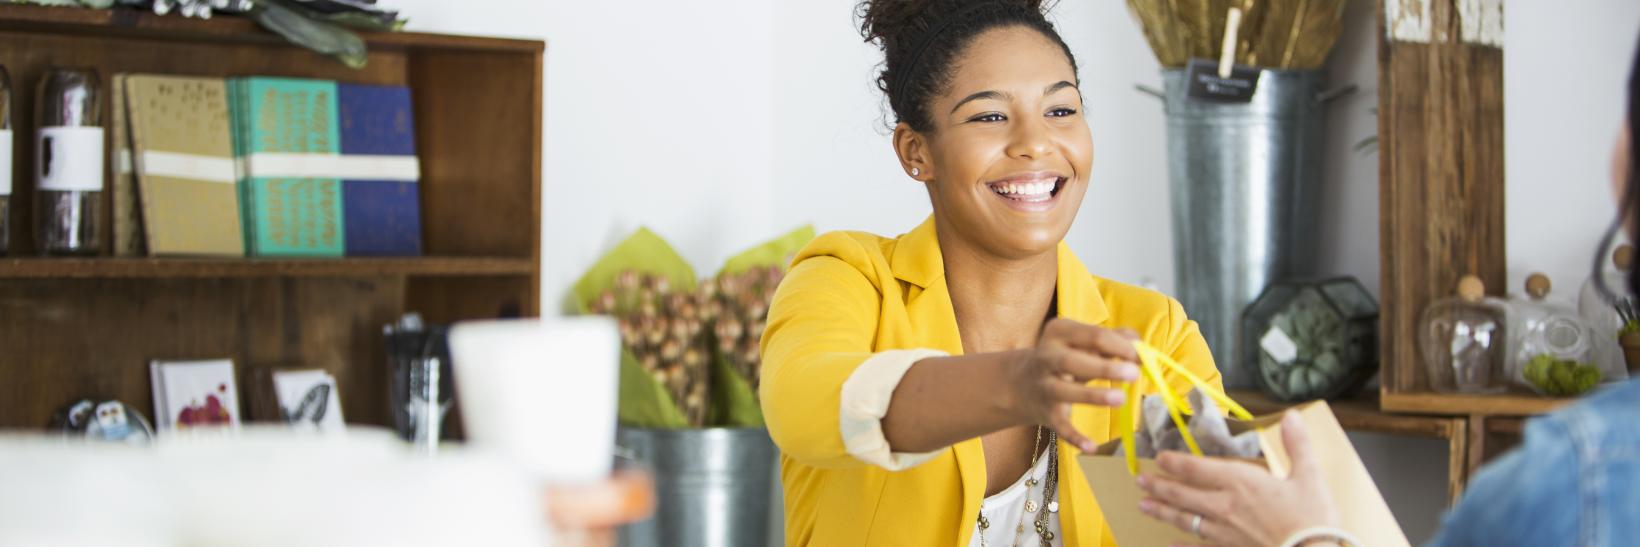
915	171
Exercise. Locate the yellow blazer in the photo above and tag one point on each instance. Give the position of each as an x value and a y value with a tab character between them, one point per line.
851	294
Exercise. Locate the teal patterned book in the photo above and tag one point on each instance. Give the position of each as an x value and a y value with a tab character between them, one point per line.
284	130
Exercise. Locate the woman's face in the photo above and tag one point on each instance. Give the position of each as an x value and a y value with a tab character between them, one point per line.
1007	161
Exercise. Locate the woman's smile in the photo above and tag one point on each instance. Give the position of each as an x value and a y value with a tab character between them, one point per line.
1029	192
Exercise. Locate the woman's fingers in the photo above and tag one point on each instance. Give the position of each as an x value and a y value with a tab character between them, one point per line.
1297	441
1209	504
1059	420
1062	391
1083	366
1111	343
1179	518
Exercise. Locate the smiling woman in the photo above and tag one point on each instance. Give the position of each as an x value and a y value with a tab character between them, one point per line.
925	389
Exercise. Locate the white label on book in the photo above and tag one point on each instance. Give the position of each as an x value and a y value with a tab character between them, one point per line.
156	163
5	162
69	159
1279	346
331	166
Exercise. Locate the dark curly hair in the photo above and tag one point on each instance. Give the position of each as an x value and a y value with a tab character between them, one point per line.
922	38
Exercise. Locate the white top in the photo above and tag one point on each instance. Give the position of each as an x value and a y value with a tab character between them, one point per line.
1006	511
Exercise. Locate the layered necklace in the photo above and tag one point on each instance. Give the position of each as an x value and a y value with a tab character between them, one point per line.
1049	505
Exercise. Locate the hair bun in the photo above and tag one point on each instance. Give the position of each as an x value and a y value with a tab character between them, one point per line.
890	23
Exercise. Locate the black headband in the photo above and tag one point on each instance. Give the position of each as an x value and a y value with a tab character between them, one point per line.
934	34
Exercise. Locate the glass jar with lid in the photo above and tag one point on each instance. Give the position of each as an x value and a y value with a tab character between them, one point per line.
1551	347
1464	340
1616	324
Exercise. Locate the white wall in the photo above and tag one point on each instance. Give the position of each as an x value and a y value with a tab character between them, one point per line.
1565	75
720	126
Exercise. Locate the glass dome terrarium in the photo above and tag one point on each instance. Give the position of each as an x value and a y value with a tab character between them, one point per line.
1464	340
1616	323
1311	339
1551	347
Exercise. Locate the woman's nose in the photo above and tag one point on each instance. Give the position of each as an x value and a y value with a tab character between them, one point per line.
1029	140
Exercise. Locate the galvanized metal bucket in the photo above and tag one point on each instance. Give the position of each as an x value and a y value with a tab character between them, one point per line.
712	486
1245	185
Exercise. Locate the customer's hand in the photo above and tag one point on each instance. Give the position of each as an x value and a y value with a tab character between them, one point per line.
1054	375
1242	504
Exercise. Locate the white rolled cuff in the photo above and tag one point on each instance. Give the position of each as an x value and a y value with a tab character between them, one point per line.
865	398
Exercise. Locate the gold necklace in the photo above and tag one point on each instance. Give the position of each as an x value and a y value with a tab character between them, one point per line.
1048	504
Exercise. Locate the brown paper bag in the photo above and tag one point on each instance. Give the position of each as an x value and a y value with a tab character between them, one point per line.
1359	503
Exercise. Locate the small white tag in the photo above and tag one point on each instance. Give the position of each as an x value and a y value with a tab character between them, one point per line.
5	162
69	159
1279	345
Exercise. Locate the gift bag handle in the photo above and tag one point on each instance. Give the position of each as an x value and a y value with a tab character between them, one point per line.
1151	363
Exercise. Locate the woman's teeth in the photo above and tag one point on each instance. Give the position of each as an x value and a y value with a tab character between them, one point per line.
1027	191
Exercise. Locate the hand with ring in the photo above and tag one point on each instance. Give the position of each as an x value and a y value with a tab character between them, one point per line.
1235	504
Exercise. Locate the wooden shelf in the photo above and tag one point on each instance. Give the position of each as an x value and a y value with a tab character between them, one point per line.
112	268
88	327
1454	404
1361	414
226	28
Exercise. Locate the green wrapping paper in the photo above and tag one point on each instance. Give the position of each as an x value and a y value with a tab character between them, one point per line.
643	401
734	400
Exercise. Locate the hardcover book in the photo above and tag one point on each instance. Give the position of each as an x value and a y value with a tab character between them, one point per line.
285	131
183	154
381	208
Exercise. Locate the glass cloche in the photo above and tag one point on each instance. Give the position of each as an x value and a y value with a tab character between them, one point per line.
1311	339
1611	321
1550	347
1464	340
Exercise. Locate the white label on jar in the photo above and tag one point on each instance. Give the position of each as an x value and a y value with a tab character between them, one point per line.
69	159
1279	346
5	162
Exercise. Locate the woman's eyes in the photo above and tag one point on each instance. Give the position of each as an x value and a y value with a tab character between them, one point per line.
995	117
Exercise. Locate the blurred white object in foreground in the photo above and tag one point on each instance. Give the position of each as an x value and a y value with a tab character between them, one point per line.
263	487
541	392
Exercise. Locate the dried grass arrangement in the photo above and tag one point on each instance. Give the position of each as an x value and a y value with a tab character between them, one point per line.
1281	34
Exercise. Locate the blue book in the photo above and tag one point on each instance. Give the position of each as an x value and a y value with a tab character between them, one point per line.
382	208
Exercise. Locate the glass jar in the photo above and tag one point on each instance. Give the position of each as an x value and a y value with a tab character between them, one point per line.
1311	339
68	163
1464	340
1550	346
1616	324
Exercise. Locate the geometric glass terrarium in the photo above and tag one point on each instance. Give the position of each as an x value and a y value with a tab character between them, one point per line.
1311	339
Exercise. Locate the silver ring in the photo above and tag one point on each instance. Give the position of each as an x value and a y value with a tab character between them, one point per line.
1196	526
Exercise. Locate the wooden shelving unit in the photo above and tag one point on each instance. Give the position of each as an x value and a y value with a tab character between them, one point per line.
88	327
111	268
1459	404
1365	415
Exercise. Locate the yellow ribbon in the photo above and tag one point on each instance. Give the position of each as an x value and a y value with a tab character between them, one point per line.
1153	363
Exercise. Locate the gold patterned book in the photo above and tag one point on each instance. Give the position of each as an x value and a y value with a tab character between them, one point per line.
186	178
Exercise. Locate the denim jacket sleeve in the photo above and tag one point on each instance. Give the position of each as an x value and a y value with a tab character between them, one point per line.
1574	481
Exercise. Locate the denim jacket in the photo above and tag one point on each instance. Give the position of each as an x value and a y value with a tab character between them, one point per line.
1574	481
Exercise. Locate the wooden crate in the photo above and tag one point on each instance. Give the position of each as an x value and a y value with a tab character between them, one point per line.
1440	122
87	327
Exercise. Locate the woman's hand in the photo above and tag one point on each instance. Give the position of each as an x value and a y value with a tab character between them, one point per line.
1241	504
1054	374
